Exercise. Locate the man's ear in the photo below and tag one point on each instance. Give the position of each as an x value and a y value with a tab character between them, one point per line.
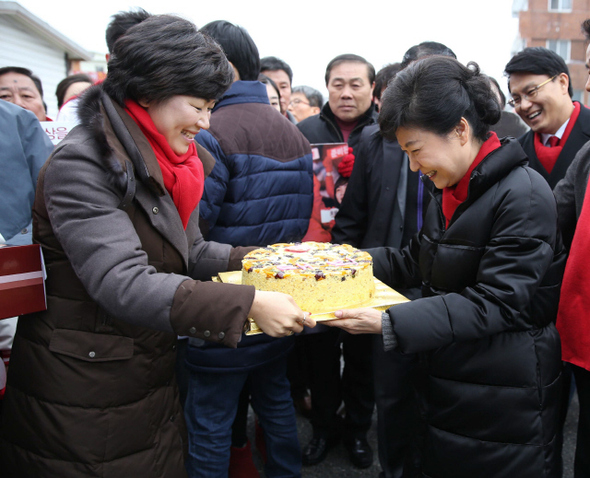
564	81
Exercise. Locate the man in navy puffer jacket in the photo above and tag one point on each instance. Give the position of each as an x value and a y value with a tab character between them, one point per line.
260	192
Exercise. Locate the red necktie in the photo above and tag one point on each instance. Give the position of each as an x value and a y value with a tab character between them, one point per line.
553	141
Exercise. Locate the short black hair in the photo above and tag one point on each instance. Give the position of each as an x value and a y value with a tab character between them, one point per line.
165	56
350	58
25	71
68	81
538	61
120	23
272	63
434	94
238	46
424	49
383	76
314	97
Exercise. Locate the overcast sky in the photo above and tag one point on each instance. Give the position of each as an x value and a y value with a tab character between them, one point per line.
308	34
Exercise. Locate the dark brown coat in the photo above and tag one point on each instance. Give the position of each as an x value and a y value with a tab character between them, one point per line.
91	389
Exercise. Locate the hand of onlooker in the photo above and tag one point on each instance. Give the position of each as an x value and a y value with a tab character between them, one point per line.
358	321
346	165
278	315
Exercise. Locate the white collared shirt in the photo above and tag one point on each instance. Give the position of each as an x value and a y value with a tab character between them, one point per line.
559	133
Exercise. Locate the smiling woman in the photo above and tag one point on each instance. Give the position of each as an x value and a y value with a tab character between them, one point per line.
91	389
490	264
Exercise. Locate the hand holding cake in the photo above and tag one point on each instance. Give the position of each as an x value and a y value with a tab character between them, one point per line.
358	321
278	315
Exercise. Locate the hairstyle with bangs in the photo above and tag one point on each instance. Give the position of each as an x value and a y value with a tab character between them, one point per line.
434	93
165	56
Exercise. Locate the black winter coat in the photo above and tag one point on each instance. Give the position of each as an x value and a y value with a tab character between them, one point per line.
491	283
322	128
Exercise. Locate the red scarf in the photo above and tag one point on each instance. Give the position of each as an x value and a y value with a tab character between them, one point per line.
574	303
453	196
548	155
183	175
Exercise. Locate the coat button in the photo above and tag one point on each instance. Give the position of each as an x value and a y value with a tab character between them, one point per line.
192	330
221	335
172	418
174	347
92	354
155	209
207	333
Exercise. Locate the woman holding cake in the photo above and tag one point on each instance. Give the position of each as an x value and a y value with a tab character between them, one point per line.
490	263
91	388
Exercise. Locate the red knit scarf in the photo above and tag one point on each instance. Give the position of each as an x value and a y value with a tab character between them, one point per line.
548	155
453	196
573	316
183	175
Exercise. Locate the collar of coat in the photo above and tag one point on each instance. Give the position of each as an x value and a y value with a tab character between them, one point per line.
241	92
119	137
368	117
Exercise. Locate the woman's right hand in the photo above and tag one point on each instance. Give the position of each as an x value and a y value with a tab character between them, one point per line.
278	315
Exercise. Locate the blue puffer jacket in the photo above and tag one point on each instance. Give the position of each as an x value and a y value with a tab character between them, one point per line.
260	192
261	189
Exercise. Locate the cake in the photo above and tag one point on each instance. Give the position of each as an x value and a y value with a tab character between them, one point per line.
321	277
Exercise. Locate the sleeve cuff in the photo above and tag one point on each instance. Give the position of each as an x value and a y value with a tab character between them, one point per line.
389	337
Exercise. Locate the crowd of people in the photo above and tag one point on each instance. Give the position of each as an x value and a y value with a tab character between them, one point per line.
194	151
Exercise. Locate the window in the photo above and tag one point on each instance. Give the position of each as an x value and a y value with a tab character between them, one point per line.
561	47
560	5
578	96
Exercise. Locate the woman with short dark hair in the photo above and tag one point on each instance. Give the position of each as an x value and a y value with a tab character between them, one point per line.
490	264
70	87
91	388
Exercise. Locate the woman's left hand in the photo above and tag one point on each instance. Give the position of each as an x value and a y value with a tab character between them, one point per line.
358	321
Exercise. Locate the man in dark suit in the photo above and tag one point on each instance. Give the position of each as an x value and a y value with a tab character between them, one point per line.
539	82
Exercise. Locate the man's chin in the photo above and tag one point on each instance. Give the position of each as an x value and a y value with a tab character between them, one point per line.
348	117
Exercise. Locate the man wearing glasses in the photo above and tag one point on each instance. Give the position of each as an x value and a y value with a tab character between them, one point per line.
539	82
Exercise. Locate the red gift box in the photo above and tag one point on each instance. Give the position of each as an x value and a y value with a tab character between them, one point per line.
22	280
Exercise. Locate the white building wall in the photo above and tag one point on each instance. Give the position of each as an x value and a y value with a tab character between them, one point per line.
21	47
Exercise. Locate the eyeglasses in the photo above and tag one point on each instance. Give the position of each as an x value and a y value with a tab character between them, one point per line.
297	101
515	101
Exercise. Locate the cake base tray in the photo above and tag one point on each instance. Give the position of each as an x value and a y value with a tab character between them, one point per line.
384	298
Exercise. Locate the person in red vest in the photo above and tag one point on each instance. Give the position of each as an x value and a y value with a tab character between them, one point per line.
572	318
540	85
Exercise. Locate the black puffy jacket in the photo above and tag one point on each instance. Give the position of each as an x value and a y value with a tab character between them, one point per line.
491	285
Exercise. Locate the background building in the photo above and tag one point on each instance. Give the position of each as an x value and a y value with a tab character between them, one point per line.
29	42
557	25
